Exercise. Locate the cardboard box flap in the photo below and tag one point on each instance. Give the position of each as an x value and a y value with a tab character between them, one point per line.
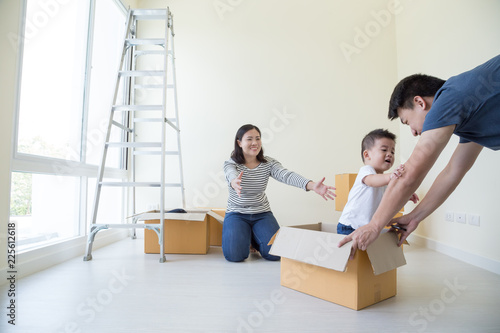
312	247
195	210
384	253
216	216
172	216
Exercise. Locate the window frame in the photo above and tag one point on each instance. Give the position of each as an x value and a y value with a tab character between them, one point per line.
38	164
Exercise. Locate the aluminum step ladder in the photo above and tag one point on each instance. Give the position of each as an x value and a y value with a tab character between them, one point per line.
132	83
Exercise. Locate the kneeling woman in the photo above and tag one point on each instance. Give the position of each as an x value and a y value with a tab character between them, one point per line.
249	220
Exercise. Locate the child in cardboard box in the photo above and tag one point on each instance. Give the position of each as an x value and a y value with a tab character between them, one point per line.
377	152
249	220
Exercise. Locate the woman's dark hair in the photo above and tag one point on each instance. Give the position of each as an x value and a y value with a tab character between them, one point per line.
409	87
237	154
369	139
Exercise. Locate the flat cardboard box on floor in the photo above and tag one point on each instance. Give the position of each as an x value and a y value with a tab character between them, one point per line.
184	233
312	263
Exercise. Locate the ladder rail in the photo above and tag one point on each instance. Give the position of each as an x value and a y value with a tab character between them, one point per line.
176	109
161	236
127	79
100	172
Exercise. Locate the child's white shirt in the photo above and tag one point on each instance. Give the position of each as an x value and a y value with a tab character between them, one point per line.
363	200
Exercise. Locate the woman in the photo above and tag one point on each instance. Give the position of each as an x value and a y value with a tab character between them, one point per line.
249	220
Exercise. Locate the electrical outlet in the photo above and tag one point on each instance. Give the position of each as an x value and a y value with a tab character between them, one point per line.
460	217
448	216
474	220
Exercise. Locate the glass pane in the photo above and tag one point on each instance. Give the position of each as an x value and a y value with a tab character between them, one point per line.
109	31
53	72
45	208
110	203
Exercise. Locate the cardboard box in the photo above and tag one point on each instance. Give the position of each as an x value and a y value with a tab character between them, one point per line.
185	233
215	226
343	184
312	263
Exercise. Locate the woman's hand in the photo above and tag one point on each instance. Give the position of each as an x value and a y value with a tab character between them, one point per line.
236	184
321	189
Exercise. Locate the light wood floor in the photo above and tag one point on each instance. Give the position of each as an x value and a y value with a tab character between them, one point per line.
124	290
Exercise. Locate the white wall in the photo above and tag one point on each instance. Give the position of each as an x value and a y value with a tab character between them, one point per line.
444	38
279	65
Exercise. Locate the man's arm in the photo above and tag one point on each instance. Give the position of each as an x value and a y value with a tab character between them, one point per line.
446	182
429	147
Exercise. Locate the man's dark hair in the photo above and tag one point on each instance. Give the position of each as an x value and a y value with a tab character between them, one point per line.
237	154
409	87
369	139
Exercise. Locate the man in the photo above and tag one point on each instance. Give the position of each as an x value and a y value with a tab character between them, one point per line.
467	105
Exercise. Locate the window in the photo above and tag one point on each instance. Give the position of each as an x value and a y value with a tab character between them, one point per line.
70	56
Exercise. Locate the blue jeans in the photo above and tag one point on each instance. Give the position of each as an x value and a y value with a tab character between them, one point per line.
343	229
241	230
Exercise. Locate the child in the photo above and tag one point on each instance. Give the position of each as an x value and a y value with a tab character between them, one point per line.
377	152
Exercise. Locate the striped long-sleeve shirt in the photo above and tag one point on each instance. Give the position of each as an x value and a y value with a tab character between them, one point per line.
253	198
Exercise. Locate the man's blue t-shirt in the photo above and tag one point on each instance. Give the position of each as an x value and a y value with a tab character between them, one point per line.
471	101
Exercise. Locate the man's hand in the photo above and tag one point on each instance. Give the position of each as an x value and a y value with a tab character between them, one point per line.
361	238
407	224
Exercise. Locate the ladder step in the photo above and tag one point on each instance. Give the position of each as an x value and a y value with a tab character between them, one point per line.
148	86
138	53
145	152
137	107
144	41
138	184
149	14
155	120
120	225
152	86
142	73
148	120
134	144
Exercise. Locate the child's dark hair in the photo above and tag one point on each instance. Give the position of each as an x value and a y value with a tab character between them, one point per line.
369	139
237	154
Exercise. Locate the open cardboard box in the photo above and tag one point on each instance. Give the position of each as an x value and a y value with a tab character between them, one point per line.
215	221
312	263
186	233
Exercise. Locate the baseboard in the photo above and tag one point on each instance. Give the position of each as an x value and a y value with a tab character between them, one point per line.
470	258
36	260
